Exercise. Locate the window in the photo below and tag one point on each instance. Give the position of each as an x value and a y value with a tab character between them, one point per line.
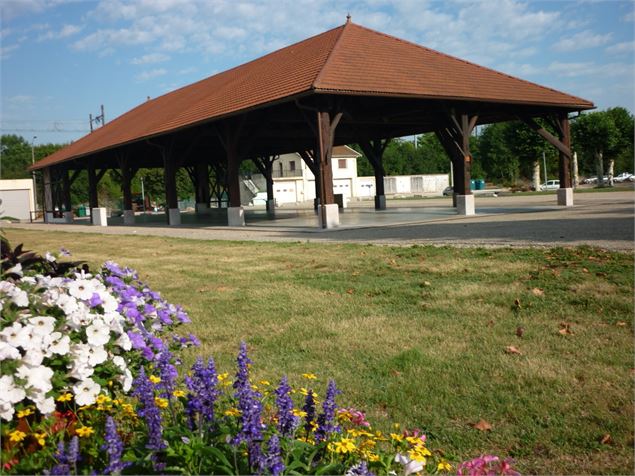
292	166
341	163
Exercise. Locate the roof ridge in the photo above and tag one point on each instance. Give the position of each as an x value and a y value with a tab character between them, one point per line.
447	55
314	84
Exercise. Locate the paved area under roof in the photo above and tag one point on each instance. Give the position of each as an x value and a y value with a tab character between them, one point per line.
605	220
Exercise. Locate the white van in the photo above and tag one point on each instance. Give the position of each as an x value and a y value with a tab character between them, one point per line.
550	185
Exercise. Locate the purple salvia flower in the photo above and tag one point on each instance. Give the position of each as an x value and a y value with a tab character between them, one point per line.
72	456
114	448
360	469
202	385
287	421
309	409
62	468
250	408
144	391
325	421
167	371
273	461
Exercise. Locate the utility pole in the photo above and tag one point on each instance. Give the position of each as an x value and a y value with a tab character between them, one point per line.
97	119
544	165
143	196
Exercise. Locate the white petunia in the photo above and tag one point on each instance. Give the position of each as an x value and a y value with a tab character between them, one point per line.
126	380
124	342
7	352
80	370
42	325
60	344
33	357
81	288
97	333
81	317
45	405
14	336
86	391
9	391
109	303
19	297
6	411
67	303
97	355
38	377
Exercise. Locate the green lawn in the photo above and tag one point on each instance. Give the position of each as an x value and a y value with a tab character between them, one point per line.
418	335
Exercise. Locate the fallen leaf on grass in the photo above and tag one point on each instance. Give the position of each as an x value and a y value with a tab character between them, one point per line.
517	304
520	331
606	440
482	425
537	292
601	274
349	291
427	283
620	324
490	323
585	270
396	373
510	349
565	329
355	273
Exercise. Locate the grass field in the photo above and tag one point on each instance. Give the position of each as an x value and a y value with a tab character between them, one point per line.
418	335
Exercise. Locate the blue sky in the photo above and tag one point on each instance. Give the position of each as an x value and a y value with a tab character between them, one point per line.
61	59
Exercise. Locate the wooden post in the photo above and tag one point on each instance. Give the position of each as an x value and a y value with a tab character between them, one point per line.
48	194
466	158
326	124
66	191
169	177
374	151
202	183
233	176
564	134
93	201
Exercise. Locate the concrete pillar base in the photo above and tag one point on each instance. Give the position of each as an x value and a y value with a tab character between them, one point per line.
174	217
271	205
465	204
332	214
235	216
68	217
48	217
380	202
128	217
202	208
565	197
99	216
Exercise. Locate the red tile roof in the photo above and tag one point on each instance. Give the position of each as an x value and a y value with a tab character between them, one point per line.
349	59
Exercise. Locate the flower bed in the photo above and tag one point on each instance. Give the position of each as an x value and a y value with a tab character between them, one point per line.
90	383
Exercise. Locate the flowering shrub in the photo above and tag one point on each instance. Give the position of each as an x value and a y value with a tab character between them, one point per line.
90	384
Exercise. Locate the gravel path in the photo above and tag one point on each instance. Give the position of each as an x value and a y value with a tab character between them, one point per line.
604	220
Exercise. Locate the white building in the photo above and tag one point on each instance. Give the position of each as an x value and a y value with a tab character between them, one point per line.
17	199
293	181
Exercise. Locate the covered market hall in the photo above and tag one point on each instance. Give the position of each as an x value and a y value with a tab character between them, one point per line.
348	85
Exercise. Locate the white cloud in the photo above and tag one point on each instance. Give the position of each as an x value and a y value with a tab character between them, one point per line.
20	100
582	40
151	74
573	69
621	48
150	58
64	32
630	17
5	51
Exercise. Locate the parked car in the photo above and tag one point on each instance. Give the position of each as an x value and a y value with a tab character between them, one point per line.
448	191
589	180
623	177
550	185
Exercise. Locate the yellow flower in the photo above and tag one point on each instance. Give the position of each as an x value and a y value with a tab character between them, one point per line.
443	466
223	376
154	379
128	409
41	438
254	387
396	437
344	415
66	397
345	445
232	412
299	413
305	392
179	393
419	453
264	382
84	431
372	457
309	376
161	402
17	436
25	413
101	399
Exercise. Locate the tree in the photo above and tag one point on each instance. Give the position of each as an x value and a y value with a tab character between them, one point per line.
596	134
